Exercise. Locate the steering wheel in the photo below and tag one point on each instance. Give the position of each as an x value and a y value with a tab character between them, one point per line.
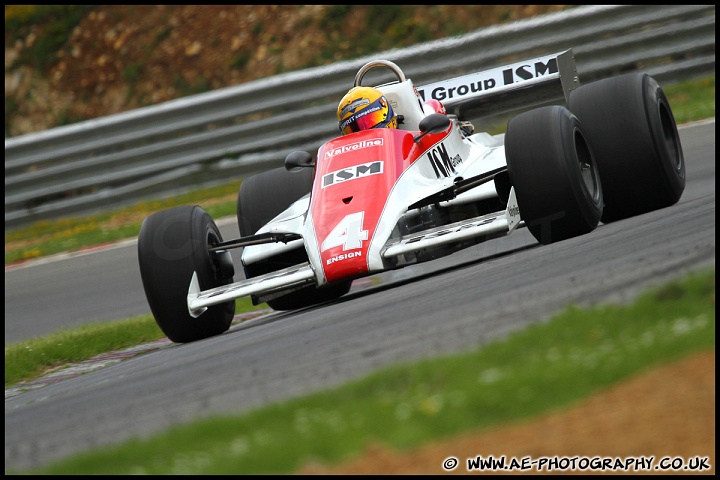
378	64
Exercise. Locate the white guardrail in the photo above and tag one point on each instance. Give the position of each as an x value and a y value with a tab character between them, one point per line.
232	132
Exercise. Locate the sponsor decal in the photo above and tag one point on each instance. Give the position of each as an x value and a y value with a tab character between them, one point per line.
470	85
343	256
351	173
513	211
442	164
360	102
444	93
377	142
358	116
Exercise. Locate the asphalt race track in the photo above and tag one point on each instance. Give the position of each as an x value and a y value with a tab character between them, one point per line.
448	305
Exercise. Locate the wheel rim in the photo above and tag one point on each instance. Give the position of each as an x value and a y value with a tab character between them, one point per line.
211	241
670	137
586	162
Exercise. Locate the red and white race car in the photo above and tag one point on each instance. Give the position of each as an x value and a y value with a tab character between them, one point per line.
385	198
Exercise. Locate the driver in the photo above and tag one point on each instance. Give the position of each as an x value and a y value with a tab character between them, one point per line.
363	108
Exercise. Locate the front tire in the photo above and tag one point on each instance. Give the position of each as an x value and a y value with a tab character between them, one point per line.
554	173
171	246
632	133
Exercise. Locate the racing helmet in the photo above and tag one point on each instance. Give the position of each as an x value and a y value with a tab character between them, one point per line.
363	108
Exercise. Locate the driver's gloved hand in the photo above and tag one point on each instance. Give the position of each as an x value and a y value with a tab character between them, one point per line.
466	128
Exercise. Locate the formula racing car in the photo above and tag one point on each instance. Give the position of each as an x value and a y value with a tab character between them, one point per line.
385	198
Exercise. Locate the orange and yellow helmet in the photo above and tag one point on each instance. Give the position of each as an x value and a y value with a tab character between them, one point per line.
363	108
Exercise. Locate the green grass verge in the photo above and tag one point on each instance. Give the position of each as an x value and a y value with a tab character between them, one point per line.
30	359
49	237
691	101
544	367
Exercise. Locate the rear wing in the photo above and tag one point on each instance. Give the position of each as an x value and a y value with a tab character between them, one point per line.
511	87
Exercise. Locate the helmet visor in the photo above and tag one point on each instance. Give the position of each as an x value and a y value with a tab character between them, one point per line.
377	114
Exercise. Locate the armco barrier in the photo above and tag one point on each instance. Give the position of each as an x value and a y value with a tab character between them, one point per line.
234	131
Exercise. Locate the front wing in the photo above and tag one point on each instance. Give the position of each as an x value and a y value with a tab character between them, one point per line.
486	226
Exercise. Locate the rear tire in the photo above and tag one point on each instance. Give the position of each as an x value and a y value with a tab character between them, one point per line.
171	246
632	133
554	173
261	198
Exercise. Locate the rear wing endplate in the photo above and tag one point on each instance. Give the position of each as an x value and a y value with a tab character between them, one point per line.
511	87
